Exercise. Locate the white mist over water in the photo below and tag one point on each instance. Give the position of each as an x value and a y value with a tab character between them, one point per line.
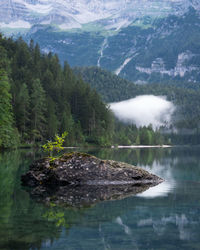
144	110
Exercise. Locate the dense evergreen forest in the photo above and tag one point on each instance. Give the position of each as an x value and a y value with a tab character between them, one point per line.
39	98
185	96
46	98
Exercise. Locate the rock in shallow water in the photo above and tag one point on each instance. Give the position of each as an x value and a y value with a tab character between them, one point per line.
79	178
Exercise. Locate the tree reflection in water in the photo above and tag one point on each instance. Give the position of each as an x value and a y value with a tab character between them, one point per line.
168	220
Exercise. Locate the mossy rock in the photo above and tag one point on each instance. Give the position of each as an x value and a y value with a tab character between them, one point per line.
86	176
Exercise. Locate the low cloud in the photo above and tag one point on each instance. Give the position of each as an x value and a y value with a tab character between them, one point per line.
144	110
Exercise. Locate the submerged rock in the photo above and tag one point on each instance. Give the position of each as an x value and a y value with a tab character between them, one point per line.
79	178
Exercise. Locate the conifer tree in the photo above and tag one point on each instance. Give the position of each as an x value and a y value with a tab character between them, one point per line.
52	119
8	135
66	120
38	110
22	111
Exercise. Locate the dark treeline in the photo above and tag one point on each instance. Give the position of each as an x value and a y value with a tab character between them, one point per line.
39	98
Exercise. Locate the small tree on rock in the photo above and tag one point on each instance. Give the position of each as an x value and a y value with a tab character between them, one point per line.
56	145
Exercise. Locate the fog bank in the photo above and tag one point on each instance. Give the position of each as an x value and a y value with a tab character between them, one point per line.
144	110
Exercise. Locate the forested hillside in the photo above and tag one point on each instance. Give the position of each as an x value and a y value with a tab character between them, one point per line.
46	98
39	98
113	89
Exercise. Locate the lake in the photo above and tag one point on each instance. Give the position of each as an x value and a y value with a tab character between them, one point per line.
166	216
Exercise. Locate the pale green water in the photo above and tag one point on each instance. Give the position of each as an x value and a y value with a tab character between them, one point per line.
164	217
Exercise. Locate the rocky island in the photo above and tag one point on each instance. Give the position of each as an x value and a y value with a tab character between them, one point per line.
82	179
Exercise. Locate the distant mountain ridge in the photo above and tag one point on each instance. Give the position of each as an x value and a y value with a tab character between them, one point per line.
73	14
140	40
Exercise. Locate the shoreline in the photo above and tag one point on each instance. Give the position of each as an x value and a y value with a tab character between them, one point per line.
143	146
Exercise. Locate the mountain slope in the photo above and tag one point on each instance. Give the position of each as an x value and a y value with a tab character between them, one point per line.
73	14
169	50
160	50
140	40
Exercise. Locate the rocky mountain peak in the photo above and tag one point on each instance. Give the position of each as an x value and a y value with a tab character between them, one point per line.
73	14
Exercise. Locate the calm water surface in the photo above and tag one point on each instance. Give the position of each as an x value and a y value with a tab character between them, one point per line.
164	217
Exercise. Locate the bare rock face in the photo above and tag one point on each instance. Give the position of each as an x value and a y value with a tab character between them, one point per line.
79	178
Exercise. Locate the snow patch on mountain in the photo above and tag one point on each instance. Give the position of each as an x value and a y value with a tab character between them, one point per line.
16	25
117	72
39	8
118	23
103	46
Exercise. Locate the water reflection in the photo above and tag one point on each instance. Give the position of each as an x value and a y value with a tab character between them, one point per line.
159	226
126	229
85	195
160	190
169	219
166	172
